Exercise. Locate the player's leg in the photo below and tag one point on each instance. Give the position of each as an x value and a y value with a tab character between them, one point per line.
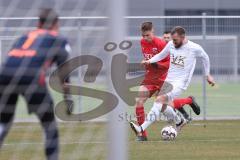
180	102
185	114
158	106
176	92
161	104
152	116
177	100
181	109
139	109
49	126
7	110
140	100
41	103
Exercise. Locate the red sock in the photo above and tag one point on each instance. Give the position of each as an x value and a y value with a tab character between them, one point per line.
140	114
180	102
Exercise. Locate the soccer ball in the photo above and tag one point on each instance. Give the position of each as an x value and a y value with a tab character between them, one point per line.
168	133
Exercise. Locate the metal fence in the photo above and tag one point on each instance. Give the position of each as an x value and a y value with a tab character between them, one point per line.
217	34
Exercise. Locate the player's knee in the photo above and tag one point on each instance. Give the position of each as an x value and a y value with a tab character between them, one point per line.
140	101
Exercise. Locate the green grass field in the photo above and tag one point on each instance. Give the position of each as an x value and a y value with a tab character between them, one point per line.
222	100
218	140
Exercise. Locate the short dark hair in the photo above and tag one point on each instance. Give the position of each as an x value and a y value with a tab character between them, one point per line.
179	30
146	26
47	18
167	32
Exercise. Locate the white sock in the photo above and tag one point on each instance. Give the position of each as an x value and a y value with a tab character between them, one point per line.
171	115
153	115
138	128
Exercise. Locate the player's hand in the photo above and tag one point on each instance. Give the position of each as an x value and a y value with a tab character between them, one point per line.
145	62
210	80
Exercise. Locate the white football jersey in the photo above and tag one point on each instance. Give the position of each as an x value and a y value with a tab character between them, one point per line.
183	61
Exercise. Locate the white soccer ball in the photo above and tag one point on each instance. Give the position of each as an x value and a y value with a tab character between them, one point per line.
168	133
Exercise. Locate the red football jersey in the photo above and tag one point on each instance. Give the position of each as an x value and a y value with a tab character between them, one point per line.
149	49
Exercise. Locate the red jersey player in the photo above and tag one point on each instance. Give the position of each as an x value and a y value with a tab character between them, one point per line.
155	74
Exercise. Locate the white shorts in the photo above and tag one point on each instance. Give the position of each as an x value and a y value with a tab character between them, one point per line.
176	92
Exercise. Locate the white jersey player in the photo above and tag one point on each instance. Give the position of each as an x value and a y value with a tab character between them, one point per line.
183	54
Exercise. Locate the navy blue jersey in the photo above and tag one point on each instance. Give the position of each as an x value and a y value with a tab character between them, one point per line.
31	54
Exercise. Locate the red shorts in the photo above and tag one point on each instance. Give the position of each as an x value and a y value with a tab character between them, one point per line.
152	85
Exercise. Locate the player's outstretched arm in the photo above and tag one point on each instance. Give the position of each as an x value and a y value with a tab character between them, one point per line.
158	57
210	80
206	63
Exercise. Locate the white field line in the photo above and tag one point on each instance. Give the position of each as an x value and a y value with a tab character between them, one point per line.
59	126
104	119
211	124
126	17
105	142
63	143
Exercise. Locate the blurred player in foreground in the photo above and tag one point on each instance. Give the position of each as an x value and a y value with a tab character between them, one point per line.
183	54
23	73
155	76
